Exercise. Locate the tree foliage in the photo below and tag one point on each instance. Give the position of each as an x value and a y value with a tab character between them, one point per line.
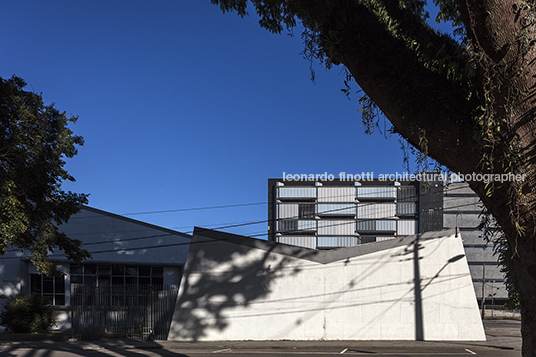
34	141
27	313
465	99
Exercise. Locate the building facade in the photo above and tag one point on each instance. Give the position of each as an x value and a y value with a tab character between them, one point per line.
341	213
124	253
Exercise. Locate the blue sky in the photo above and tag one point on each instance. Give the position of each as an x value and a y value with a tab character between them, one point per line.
182	106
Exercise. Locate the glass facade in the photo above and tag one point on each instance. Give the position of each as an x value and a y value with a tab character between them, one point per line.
343	214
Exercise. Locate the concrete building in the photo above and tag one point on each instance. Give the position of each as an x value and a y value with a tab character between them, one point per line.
125	252
342	213
415	287
462	209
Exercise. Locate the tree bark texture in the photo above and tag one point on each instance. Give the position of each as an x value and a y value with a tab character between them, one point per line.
435	114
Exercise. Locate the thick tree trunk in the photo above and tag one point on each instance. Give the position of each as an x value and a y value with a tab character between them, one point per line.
526	270
435	113
524	253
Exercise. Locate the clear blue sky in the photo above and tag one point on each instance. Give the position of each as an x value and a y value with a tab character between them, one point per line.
182	106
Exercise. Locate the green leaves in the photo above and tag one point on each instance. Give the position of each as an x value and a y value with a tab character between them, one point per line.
34	141
27	313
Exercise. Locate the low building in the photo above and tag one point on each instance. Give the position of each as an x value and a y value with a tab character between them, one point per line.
126	255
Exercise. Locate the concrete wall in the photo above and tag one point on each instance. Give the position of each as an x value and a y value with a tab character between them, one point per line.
462	208
412	288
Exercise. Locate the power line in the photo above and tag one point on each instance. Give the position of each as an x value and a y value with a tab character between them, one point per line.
195	208
249	223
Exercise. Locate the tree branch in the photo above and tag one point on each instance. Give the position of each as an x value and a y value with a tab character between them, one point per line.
418	99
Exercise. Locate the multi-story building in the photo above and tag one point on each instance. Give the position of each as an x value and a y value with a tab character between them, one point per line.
462	208
337	213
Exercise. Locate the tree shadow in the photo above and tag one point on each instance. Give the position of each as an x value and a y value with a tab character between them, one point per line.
99	350
220	277
224	276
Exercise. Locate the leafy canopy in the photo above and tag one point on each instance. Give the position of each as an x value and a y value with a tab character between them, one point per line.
34	141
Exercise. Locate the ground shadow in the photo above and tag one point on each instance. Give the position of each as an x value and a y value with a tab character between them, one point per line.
101	349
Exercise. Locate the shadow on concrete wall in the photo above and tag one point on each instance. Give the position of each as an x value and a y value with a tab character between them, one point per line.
227	275
413	249
247	278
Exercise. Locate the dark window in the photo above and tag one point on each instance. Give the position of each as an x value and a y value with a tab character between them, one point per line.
35	281
118	280
51	288
105	275
77	279
288	225
145	270
105	284
157	271
104	269
365	240
118	269
77	269
131	271
306	210
90	269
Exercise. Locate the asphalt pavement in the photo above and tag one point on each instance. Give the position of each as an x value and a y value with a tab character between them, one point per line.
502	335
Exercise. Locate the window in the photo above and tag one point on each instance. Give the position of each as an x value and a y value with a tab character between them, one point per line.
114	284
52	288
366	239
306	210
105	275
287	225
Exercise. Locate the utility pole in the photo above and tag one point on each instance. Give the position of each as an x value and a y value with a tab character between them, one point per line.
483	289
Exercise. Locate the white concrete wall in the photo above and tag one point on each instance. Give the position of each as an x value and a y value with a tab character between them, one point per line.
238	288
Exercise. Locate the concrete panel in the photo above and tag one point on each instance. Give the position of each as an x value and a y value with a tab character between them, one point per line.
296	192
458	189
337	209
492	271
462	204
472	237
463	220
239	288
480	254
494	289
377	192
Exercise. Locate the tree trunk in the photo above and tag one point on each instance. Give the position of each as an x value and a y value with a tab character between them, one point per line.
436	114
524	254
526	271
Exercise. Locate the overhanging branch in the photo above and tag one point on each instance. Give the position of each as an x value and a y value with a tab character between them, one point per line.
420	100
